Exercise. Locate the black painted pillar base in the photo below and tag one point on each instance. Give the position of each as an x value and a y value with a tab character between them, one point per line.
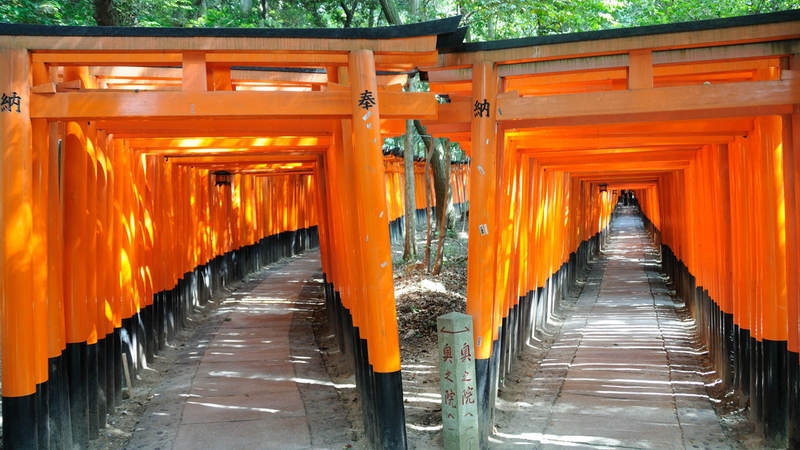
793	399
756	383
118	374
743	368
112	370
102	369
775	392
19	423
482	383
729	348
42	425
60	426
391	413
78	375
91	357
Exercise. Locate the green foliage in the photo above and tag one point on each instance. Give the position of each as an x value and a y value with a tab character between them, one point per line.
50	12
649	12
498	19
487	19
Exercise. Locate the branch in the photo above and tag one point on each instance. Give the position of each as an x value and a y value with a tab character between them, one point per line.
390	12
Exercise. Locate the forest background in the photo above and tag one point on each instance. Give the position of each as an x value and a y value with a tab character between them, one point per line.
486	19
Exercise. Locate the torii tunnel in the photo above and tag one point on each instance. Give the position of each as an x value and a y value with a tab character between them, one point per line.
144	169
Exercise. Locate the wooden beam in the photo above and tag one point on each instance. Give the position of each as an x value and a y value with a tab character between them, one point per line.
211	127
194	72
616	142
108	58
611	151
155	105
318	59
601	62
139	44
597	47
642	157
733	127
278	59
230	142
217	152
640	69
771	49
458	110
670	102
618	167
242	159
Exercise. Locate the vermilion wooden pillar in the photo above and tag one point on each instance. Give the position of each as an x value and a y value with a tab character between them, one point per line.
373	218
16	191
75	305
791	184
40	170
482	251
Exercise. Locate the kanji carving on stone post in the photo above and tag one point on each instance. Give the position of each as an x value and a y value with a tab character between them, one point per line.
459	407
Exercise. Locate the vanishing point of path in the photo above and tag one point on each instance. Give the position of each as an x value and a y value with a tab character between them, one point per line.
252	376
624	370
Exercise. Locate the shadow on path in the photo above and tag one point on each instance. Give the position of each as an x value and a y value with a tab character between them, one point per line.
625	369
252	376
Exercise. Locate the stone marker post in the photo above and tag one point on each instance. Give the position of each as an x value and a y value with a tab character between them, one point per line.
457	369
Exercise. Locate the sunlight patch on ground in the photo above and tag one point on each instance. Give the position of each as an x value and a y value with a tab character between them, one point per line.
566	440
247	408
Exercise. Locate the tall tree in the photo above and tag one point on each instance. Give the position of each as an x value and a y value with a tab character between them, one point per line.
390	11
410	244
104	13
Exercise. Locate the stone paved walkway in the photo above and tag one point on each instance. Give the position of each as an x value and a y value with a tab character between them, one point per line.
254	377
625	370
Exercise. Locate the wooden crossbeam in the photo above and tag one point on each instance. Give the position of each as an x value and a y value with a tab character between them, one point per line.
618	166
241	159
609	151
241	58
163	105
732	127
641	157
272	142
668	103
684	40
616	142
215	127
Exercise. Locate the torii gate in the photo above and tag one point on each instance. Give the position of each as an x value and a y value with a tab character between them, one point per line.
139	130
556	124
687	117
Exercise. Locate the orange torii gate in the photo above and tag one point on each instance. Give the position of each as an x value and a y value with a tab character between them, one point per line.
174	162
558	126
178	160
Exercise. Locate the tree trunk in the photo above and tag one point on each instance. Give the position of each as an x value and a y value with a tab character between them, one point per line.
371	22
413	10
105	14
428	204
410	248
437	265
348	12
245	6
441	182
390	11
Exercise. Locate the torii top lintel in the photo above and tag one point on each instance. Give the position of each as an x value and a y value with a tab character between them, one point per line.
418	37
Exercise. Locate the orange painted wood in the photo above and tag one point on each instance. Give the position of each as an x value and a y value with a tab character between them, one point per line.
482	222
153	104
640	69
659	101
